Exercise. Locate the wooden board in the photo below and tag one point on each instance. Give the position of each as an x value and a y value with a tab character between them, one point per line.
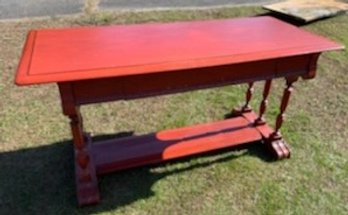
308	10
59	55
166	145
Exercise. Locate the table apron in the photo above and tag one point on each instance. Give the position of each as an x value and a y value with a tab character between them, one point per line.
146	85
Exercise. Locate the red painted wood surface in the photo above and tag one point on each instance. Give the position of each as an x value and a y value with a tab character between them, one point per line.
86	178
264	129
166	145
277	147
144	85
99	64
73	54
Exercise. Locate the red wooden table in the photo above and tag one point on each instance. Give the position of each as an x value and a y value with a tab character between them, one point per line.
99	64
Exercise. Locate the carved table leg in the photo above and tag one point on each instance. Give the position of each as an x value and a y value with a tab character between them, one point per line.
261	120
275	143
246	107
86	179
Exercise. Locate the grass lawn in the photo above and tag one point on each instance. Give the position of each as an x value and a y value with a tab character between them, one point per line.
36	171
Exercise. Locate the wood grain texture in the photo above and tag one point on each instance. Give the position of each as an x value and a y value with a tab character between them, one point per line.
59	55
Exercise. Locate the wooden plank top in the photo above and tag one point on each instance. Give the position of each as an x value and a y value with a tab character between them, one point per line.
71	54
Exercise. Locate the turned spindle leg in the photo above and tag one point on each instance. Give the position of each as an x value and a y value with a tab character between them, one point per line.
246	107
261	120
79	141
275	142
86	179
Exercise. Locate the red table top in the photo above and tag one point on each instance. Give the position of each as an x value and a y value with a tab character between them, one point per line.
59	55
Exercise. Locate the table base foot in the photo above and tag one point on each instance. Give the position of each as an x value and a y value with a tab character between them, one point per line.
278	148
275	145
87	193
86	180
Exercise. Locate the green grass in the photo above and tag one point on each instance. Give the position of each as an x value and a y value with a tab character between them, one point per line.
36	172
